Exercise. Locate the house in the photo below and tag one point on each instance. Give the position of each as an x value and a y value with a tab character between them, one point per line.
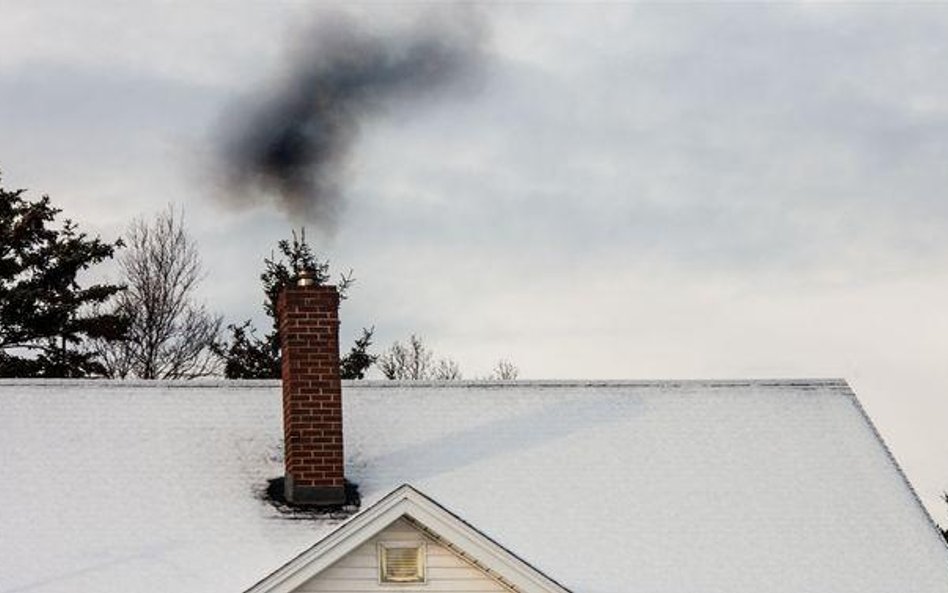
584	487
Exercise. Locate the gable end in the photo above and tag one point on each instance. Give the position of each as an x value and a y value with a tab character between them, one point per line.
432	522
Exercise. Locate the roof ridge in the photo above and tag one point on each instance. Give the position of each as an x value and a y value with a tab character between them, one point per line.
835	383
554	383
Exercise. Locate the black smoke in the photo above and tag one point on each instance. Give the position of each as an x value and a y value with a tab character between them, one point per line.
290	144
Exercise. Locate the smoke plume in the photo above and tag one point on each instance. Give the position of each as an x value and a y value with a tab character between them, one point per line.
291	143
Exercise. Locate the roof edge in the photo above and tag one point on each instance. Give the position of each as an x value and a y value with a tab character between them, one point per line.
898	468
834	383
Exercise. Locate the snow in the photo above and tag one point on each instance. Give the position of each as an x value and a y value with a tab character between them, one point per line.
696	486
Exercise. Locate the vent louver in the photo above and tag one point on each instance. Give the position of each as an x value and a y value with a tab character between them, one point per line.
402	562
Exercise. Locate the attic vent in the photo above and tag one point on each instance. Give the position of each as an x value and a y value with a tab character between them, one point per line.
402	562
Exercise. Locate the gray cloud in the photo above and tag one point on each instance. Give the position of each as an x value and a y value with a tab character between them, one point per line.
751	141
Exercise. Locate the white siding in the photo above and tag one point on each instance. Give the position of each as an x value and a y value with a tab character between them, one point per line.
358	571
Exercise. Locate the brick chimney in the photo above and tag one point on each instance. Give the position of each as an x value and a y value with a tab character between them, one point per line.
312	393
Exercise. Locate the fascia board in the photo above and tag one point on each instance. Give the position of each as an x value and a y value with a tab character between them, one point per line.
332	547
405	500
479	547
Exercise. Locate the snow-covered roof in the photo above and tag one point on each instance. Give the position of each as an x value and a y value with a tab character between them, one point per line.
740	486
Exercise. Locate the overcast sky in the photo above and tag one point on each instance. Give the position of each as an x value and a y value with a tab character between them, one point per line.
622	191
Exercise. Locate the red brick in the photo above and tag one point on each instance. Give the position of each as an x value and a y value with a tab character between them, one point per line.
312	390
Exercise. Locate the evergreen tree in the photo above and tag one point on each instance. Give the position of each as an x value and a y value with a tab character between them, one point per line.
247	356
46	317
355	364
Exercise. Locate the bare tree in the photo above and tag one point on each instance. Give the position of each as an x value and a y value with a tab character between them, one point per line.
170	335
944	532
411	361
504	370
415	362
446	370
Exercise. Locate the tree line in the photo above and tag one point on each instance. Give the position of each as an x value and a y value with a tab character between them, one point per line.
150	325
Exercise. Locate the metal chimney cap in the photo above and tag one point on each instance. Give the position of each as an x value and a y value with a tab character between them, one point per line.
305	278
